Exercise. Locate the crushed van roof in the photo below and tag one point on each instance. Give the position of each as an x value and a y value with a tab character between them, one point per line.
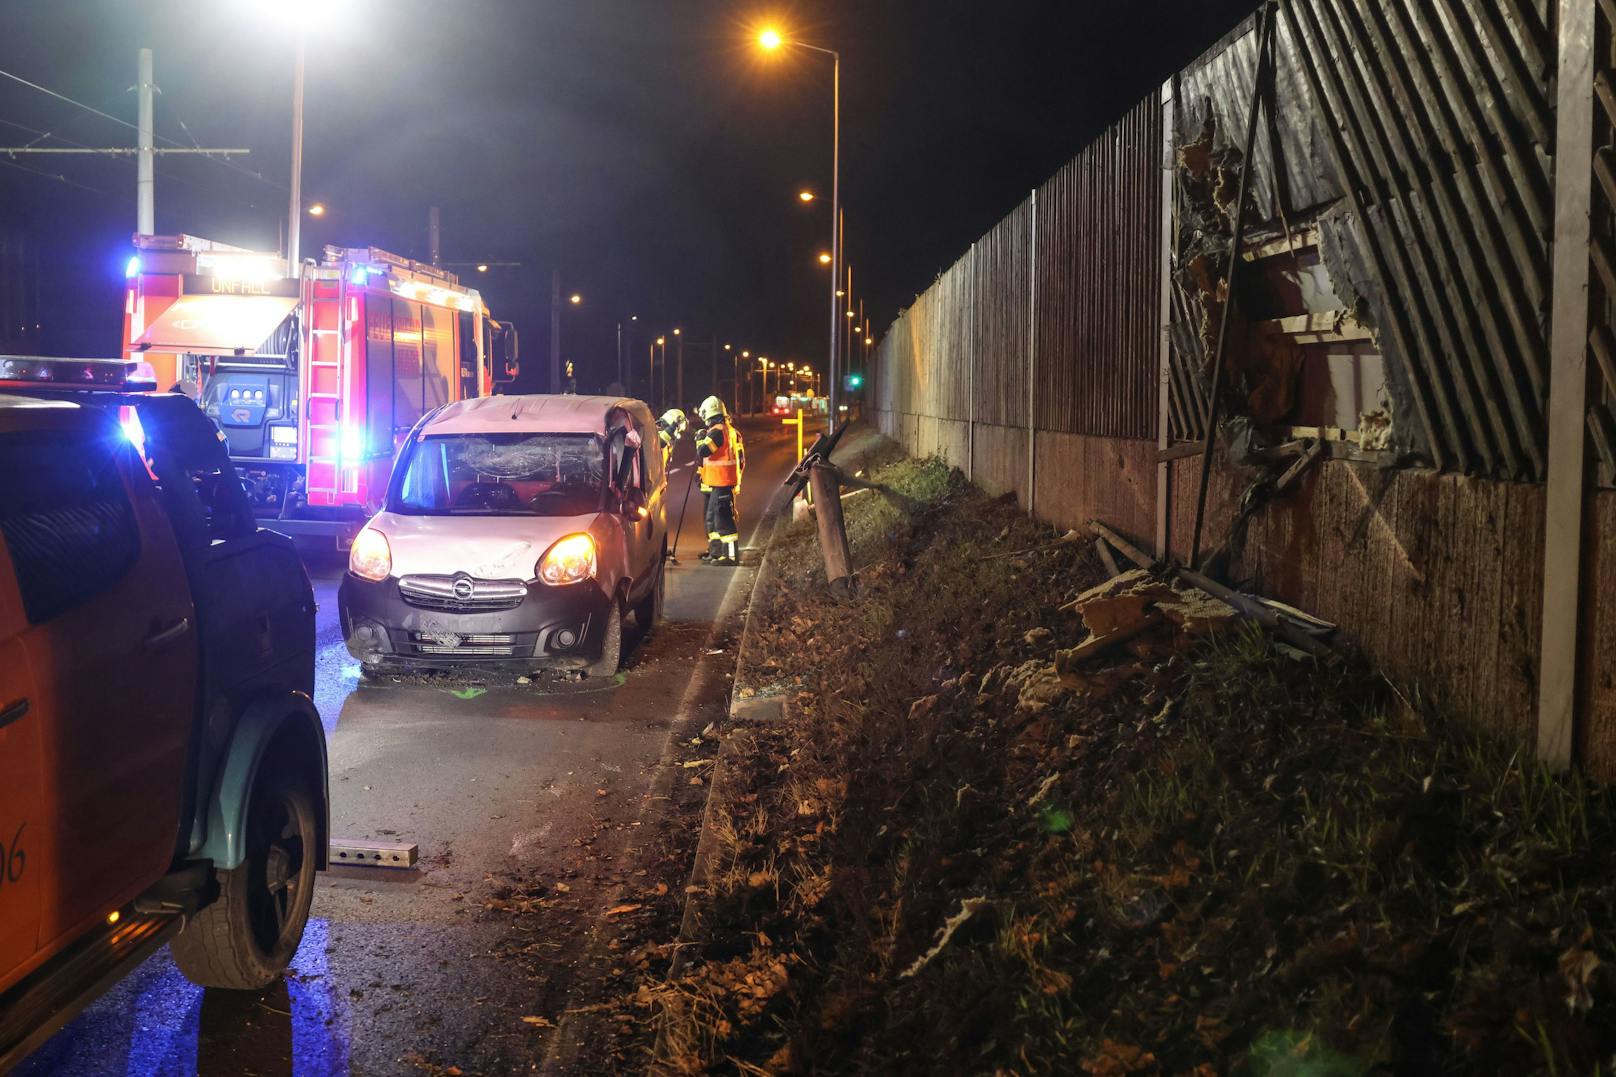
541	414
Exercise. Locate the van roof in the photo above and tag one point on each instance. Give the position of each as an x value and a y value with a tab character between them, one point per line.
536	413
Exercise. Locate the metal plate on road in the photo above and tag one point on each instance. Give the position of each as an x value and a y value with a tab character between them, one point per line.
375	854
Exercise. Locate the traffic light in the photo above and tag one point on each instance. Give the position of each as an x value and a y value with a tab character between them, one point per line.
853	382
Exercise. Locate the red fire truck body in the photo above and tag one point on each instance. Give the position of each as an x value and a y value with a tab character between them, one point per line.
314	382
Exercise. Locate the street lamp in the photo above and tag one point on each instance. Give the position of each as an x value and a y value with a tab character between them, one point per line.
482	267
575	299
771	39
317	209
824	258
805	196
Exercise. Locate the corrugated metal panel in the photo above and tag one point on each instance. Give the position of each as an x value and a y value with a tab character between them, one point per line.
1097	275
953	348
999	302
1441	141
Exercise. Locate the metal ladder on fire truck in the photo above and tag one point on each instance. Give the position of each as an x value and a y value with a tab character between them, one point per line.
326	384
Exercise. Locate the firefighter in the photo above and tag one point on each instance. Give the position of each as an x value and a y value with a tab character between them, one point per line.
670	428
718	455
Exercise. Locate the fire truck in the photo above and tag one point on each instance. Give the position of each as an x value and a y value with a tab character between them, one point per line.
316	379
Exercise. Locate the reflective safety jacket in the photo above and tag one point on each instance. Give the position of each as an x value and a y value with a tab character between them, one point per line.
720	463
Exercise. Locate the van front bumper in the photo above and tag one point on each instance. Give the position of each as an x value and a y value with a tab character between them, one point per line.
422	624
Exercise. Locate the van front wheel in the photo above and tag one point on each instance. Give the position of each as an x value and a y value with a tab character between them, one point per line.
611	645
245	939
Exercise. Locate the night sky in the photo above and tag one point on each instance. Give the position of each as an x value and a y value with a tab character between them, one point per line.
647	148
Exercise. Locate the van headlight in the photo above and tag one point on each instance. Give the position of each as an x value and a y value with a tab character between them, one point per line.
570	560
283	435
370	557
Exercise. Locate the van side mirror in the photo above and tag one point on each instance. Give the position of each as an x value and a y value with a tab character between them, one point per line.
636	505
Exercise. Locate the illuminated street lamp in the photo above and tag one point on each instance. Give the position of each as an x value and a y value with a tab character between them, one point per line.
575	299
482	267
824	258
771	40
805	196
317	209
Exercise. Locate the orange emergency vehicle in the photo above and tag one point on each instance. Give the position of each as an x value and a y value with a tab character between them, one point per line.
314	379
162	766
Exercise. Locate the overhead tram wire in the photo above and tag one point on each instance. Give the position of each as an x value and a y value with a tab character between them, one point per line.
125	123
58	177
43	135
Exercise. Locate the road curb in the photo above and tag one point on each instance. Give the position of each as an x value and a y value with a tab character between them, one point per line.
757	709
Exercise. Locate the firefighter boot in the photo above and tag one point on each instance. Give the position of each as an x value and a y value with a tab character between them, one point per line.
730	554
714	549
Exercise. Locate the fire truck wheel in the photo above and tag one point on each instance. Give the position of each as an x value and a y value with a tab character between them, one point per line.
649	611
611	645
246	938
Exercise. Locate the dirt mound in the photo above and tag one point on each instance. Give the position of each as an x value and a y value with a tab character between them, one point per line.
1024	819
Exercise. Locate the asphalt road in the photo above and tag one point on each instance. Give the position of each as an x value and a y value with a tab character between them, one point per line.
499	784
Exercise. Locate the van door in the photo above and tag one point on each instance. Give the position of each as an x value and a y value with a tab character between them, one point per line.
629	474
24	825
112	646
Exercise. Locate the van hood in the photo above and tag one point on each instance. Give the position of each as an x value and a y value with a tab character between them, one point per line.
486	547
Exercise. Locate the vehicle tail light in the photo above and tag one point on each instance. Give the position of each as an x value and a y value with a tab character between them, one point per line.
570	560
370	557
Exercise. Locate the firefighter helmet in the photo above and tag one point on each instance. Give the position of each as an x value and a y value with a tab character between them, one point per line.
673	421
711	410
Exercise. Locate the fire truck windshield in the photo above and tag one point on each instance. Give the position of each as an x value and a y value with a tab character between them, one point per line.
501	475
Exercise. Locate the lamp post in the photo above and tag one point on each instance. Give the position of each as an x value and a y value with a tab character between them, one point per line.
661	342
771	39
679	373
620	372
294	214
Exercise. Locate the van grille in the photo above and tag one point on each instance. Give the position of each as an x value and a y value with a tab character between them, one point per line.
461	593
484	645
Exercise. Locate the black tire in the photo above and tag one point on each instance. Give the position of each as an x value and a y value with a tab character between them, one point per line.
611	645
649	612
245	939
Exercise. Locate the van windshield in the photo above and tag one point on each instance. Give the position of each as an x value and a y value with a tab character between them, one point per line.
501	475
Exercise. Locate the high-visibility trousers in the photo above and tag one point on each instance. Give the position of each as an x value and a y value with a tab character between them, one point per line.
720	514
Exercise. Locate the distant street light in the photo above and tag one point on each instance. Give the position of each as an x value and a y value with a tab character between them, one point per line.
806	196
771	39
824	258
575	299
317	210
482	267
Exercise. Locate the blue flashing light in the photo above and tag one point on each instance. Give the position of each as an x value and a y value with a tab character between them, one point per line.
131	268
132	430
358	276
352	444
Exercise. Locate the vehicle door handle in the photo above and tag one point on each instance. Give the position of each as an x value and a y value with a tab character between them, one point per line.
172	632
12	712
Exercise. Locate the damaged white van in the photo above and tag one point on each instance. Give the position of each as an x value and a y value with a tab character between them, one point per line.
518	532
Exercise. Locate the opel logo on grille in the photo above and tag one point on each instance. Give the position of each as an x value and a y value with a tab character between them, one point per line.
463	588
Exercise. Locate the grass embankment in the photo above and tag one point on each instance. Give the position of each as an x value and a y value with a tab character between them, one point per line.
1217	857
